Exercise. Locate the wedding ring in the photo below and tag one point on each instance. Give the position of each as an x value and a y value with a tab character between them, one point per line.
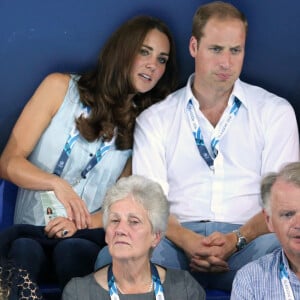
64	232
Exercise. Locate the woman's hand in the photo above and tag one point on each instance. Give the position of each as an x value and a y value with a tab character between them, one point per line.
75	207
60	227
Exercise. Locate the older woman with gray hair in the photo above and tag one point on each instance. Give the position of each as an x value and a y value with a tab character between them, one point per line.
135	216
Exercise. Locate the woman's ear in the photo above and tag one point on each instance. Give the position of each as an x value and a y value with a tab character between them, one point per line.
156	239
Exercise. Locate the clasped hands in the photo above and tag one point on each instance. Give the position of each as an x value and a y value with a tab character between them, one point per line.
210	254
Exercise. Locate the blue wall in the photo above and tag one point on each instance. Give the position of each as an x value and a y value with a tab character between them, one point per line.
38	37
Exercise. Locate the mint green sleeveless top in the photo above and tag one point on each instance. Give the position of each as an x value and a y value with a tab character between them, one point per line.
47	152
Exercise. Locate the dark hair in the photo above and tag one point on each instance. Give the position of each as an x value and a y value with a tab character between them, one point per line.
108	90
218	9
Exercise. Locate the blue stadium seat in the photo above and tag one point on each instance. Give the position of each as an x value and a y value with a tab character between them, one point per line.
8	193
217	295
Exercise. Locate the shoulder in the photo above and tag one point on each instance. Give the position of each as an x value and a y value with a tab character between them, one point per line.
76	288
170	103
264	105
57	80
186	285
51	92
179	275
81	281
256	95
263	267
164	111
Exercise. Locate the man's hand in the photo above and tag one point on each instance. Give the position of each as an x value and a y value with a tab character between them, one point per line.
228	241
60	227
207	253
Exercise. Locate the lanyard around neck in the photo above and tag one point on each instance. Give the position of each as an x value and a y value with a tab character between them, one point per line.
71	140
113	290
284	277
194	123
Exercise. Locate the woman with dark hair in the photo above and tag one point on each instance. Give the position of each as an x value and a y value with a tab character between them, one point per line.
73	140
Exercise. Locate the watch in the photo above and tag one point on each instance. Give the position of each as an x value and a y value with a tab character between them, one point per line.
241	241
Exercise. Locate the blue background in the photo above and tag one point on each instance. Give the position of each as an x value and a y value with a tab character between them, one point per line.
39	36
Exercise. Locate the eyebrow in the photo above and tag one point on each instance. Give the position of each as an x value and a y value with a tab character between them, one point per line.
151	49
219	46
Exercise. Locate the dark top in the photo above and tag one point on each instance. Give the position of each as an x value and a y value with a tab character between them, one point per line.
178	284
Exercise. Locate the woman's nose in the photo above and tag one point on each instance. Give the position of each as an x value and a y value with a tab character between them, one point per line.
151	64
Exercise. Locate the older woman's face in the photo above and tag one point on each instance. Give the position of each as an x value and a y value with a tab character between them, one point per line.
150	63
129	232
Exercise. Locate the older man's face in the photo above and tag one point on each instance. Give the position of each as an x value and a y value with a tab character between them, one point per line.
285	217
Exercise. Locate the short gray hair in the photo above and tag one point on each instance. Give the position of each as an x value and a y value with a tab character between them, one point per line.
289	173
146	192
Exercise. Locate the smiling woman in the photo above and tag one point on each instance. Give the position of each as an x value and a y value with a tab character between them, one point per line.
135	216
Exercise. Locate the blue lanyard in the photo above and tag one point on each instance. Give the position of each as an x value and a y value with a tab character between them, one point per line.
113	290
217	136
284	277
72	138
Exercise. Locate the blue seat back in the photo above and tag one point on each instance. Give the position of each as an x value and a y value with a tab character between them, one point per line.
8	194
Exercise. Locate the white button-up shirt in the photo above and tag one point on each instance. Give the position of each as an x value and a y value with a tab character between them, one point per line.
261	138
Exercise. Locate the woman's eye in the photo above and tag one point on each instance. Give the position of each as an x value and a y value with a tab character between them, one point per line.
114	221
144	52
162	60
133	222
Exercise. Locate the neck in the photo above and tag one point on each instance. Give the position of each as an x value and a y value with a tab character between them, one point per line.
212	105
295	267
132	278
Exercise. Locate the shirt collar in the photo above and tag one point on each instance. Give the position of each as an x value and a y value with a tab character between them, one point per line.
286	263
236	92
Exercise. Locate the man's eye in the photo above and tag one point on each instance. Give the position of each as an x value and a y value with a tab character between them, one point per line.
288	214
235	50
216	49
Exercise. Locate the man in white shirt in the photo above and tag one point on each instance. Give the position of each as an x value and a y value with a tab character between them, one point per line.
208	144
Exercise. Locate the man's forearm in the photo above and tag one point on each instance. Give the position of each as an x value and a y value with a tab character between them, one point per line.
178	234
254	228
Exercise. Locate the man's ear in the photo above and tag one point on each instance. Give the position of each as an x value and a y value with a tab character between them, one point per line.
268	220
193	46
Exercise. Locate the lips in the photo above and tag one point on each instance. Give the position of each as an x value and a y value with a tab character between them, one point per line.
145	76
121	243
223	76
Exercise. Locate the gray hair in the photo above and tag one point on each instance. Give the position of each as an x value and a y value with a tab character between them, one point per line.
289	173
144	191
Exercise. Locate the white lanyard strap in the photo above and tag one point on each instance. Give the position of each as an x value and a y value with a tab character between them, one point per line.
113	290
73	137
194	123
284	277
